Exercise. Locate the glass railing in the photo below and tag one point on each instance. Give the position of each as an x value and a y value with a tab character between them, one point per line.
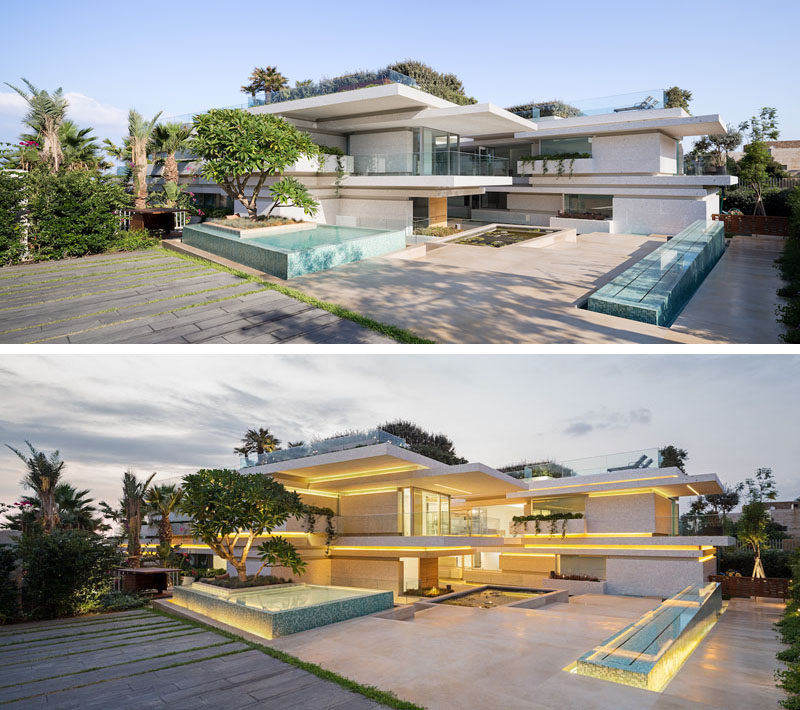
625	461
418	524
447	162
618	103
324	446
349	82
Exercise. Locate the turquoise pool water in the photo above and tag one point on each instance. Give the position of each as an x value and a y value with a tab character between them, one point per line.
293	254
310	238
658	287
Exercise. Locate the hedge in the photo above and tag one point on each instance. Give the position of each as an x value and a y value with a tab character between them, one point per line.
789	264
776	562
12	189
776	201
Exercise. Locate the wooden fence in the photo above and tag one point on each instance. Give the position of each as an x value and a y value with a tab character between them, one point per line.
753	224
748	587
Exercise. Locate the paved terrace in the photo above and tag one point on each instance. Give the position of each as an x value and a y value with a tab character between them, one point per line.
452	656
138	659
468	294
154	297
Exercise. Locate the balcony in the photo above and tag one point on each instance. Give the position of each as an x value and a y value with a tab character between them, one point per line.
421	524
447	162
323	446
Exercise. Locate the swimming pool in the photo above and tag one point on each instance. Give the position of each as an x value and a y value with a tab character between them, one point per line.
281	609
290	254
658	287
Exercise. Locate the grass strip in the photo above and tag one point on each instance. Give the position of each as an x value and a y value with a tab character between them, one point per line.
401	335
193	275
26	271
368	691
121	308
167	634
77	622
120	677
90	278
120	663
155	315
93	634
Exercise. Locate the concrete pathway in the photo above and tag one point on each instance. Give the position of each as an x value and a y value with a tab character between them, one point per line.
139	659
154	297
515	658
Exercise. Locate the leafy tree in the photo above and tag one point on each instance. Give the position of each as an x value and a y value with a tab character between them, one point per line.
445	86
266	79
45	115
258	441
673	456
547	108
718	145
675	97
167	140
161	500
80	150
43	475
237	146
9	594
754	165
751	529
435	446
229	509
295	444
762	486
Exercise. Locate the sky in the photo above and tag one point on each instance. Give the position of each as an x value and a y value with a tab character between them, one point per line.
180	57
174	414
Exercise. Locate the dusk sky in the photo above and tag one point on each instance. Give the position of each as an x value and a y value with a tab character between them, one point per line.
176	413
181	57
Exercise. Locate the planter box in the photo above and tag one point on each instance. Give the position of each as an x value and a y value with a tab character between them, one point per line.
581	165
583	226
577	586
576	526
260	231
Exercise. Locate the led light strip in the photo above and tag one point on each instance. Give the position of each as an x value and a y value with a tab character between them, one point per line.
603	483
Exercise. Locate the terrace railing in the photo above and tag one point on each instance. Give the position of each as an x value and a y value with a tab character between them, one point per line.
324	446
447	162
775	587
753	224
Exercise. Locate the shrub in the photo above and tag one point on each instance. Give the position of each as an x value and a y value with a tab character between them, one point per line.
121	601
12	190
65	572
264	581
789	264
133	240
71	213
776	201
776	562
9	593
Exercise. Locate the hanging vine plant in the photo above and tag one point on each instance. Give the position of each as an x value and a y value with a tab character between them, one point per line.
552	518
560	161
311	513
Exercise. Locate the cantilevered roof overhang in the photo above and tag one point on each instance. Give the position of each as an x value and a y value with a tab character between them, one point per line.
677	127
670	482
397	106
387	466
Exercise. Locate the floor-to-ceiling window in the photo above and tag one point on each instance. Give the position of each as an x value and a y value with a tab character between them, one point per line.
424	512
437	151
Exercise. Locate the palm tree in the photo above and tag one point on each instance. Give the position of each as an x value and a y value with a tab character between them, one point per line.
45	116
140	133
169	138
259	441
79	147
161	501
267	79
43	476
133	493
75	511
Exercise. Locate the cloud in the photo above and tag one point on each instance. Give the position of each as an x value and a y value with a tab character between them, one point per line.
607	420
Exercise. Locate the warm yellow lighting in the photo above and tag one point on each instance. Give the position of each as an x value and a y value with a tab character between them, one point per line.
706	558
603	483
621	547
609	534
692	490
457	490
375	472
707	547
370	491
527	554
629	492
392	548
306	491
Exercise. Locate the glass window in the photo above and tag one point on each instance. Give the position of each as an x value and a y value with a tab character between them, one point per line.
590	206
560	146
425	512
562	504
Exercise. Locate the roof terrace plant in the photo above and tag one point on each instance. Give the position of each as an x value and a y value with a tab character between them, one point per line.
238	147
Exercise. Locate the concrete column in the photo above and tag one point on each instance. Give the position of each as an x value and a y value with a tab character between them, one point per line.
428	572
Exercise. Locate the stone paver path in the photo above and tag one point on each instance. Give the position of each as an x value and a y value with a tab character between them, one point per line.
154	297
138	659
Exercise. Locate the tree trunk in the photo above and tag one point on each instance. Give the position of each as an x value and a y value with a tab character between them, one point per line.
139	160
170	168
165	531
134	544
241	568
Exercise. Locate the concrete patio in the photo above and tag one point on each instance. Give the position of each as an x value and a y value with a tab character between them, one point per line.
468	294
139	659
514	658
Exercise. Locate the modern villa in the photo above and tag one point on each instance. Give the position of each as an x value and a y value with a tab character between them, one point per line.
414	159
404	521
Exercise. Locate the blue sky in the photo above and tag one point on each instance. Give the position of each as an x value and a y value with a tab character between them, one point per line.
186	56
176	413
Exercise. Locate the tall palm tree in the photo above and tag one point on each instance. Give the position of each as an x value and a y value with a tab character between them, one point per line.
140	133
268	79
75	511
161	501
258	441
133	493
168	139
45	115
43	476
79	147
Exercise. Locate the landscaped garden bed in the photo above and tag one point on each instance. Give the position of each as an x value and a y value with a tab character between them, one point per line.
500	237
